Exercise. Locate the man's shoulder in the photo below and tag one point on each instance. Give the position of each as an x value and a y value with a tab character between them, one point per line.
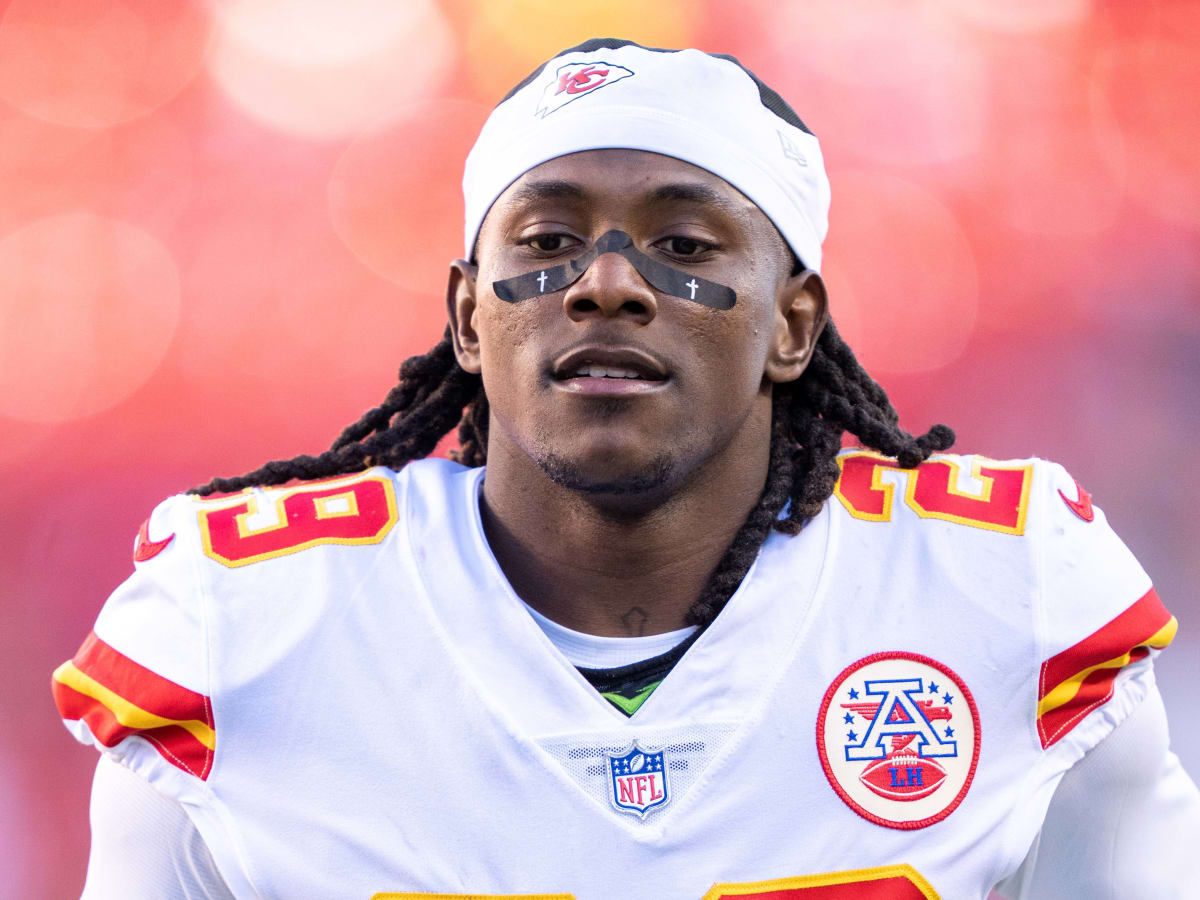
233	568
1004	496
361	509
227	599
1026	523
1022	543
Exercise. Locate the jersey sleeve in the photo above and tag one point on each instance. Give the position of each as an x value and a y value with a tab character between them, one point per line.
137	689
144	845
1101	622
1132	790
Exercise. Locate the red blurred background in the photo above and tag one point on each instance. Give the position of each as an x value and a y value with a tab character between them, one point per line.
225	223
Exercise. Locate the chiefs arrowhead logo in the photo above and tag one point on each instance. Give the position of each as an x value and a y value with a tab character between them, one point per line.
144	548
1081	507
570	82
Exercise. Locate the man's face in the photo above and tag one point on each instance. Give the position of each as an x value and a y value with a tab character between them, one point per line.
610	385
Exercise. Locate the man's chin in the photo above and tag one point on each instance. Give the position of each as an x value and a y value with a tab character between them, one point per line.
604	480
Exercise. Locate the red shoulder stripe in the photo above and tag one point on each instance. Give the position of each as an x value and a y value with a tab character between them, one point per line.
137	684
117	697
1081	678
175	744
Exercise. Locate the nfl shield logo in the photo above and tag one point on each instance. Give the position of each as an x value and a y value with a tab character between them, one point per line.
639	780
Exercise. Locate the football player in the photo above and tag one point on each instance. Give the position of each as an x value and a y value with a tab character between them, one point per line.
655	634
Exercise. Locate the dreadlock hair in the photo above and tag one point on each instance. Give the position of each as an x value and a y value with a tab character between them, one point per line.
834	395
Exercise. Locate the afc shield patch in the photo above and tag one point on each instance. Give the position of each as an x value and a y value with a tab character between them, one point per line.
898	737
638	780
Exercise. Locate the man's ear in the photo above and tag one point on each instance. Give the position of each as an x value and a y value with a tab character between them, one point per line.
800	316
460	307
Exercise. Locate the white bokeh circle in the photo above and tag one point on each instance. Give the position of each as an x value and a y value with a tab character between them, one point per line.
323	70
88	307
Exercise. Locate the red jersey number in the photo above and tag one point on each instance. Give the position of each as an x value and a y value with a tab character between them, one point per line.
899	882
998	503
359	510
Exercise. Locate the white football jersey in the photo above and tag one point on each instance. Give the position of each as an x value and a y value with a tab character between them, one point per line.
340	687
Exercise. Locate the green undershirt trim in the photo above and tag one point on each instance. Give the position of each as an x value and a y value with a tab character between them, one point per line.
630	705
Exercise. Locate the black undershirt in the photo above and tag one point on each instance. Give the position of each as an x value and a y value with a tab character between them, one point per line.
627	687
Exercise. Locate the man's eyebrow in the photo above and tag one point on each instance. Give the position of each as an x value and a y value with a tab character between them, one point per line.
541	191
687	193
534	192
699	194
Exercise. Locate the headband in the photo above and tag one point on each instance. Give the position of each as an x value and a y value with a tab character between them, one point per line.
703	109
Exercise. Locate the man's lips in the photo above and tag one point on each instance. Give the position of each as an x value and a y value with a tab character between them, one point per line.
608	369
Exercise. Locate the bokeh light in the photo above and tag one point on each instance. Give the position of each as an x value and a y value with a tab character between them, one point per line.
1161	126
91	65
139	171
395	196
88	306
893	84
1016	16
325	70
1053	125
910	270
508	39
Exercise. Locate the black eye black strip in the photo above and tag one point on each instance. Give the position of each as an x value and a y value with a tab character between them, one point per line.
660	276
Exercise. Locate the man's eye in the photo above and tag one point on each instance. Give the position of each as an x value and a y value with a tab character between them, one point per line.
684	246
548	243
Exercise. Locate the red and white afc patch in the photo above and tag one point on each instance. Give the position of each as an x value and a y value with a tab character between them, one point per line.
898	736
575	80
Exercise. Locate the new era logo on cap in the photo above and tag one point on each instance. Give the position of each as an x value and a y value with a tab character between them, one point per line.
570	82
790	150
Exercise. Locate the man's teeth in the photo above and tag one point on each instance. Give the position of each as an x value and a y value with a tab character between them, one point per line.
606	372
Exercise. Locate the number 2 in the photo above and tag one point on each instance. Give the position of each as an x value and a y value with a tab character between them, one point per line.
932	491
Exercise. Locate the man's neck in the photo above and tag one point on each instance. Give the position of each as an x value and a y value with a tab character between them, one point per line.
607	571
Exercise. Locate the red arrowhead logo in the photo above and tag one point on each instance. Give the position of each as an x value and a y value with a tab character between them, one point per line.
1081	507
144	548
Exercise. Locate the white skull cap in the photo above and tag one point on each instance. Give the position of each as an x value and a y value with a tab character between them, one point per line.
707	110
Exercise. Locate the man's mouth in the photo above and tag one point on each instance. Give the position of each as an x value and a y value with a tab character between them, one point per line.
606	369
589	371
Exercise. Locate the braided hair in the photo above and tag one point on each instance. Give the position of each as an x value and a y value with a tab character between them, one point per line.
834	395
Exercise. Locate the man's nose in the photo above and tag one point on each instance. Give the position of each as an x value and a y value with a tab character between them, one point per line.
611	287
